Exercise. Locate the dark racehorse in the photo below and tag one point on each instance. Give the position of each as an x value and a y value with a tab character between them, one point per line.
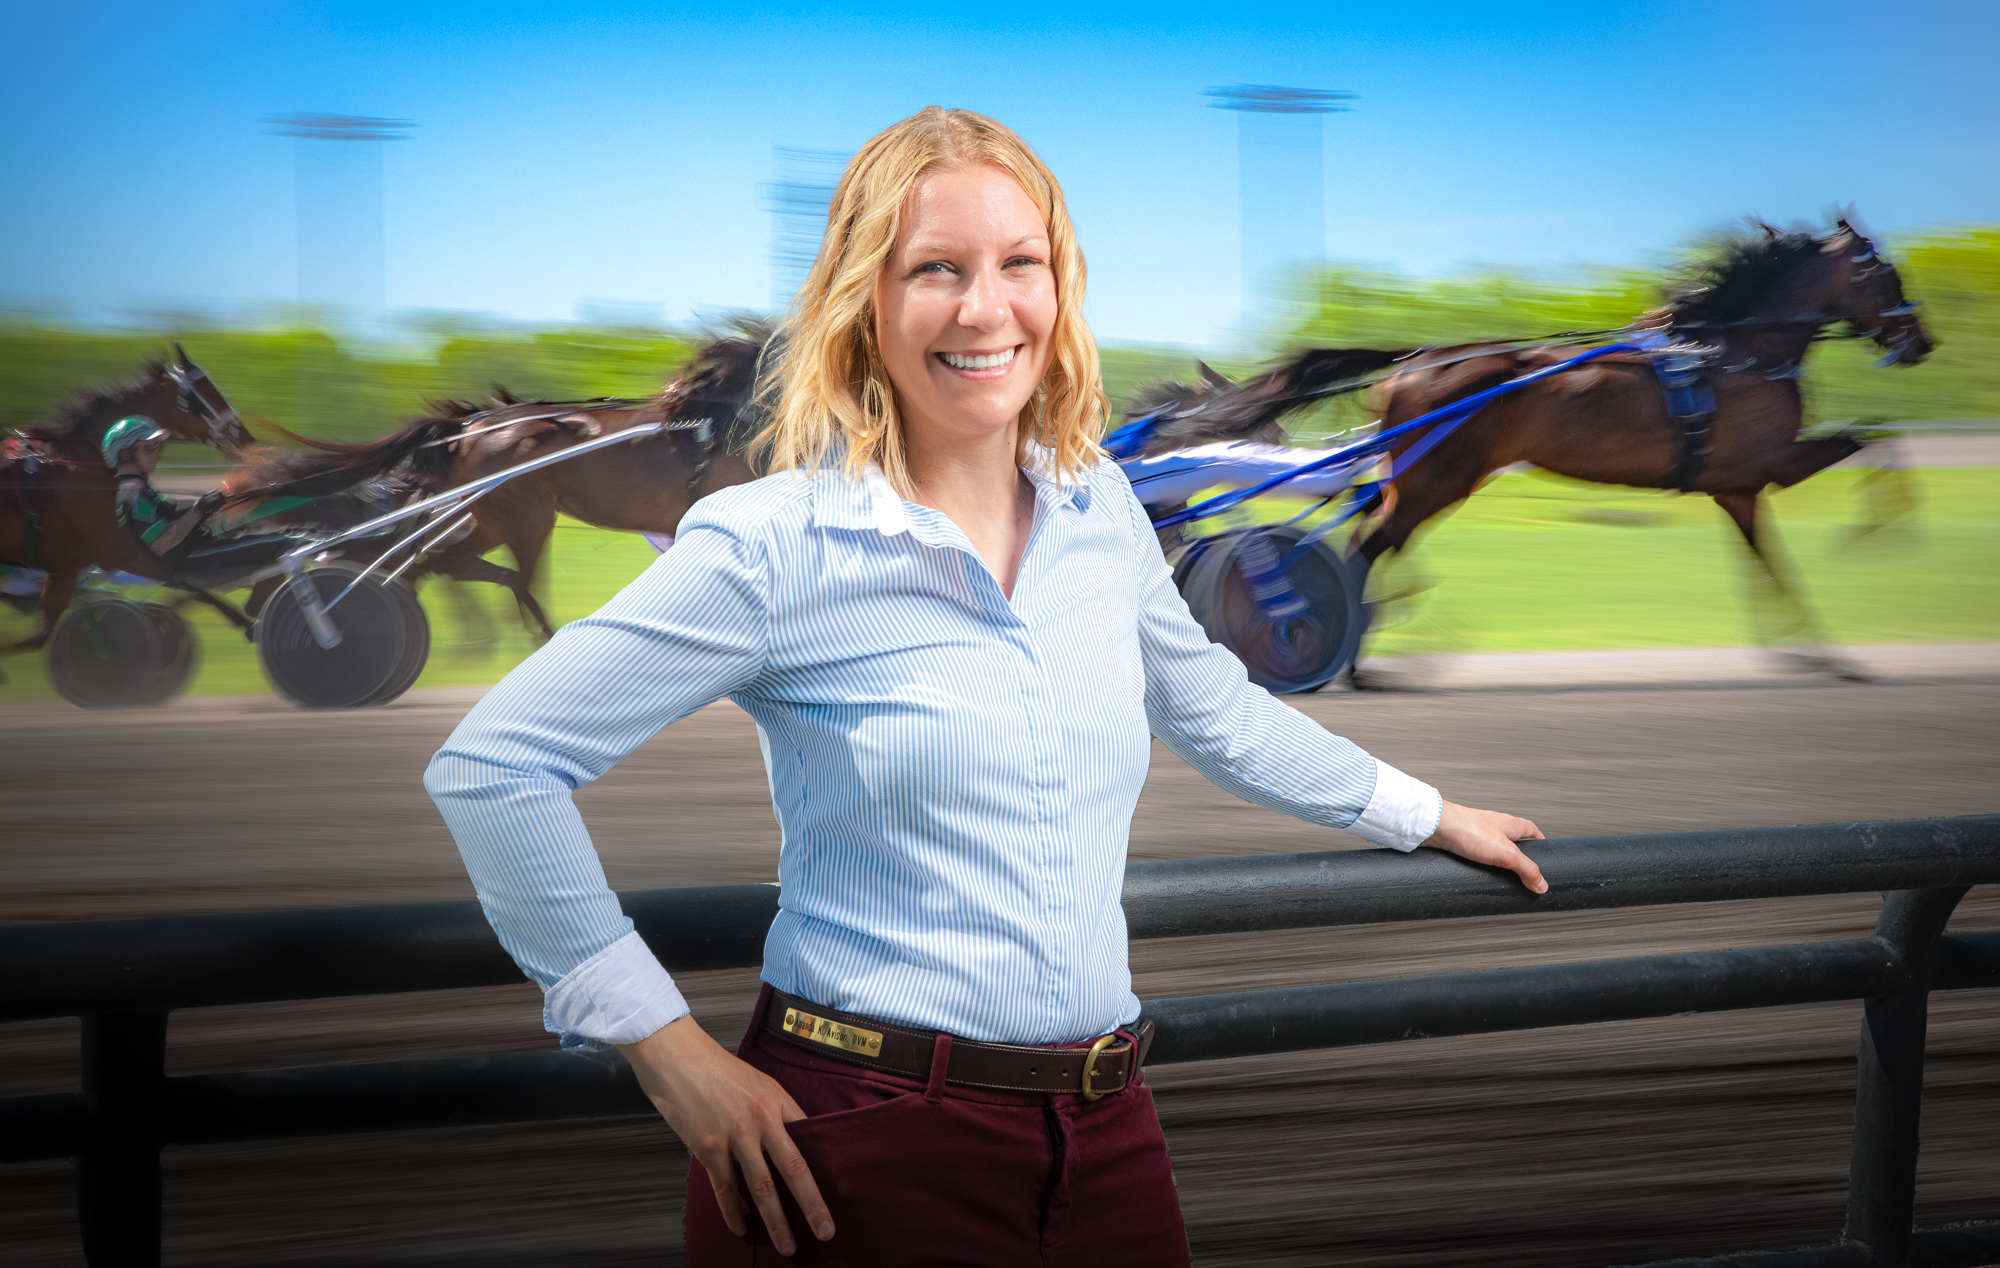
645	486
1749	314
58	499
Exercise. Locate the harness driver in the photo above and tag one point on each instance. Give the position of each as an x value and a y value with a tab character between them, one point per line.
171	530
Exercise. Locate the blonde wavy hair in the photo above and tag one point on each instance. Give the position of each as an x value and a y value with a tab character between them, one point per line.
829	390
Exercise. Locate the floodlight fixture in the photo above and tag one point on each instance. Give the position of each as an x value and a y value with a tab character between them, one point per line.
339	127
1273	99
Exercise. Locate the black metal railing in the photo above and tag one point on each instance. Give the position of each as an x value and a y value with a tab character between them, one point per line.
124	977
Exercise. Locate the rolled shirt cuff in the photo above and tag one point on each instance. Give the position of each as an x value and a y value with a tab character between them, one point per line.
1403	812
619	995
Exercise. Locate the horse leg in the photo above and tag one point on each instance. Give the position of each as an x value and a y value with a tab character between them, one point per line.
1414	498
527	526
1394	518
260	594
458	565
1887	491
473	568
1796	624
471	615
525	598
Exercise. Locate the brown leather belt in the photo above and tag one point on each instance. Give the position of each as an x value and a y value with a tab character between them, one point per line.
1091	1070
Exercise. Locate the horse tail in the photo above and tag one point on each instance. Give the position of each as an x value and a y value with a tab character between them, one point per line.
323	446
1315	375
335	466
1254	408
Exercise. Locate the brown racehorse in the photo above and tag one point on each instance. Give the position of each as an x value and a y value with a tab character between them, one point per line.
645	486
57	498
1752	309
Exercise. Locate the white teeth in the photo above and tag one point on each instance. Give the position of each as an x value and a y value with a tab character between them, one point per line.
959	362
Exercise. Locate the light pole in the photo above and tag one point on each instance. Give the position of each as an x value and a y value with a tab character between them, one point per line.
339	190
798	202
338	169
1281	163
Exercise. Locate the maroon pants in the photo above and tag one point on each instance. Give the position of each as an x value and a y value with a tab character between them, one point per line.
925	1174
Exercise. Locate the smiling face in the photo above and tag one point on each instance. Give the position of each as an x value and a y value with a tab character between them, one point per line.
965	307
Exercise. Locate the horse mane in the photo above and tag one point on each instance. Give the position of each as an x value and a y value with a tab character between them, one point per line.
1148	398
1254	409
1735	273
717	378
721	373
721	368
86	407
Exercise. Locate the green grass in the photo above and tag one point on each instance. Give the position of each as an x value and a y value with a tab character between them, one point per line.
1531	563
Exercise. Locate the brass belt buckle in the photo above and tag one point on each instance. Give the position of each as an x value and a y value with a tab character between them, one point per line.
1083	1087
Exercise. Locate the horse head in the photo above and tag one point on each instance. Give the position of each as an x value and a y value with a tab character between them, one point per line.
1868	295
201	412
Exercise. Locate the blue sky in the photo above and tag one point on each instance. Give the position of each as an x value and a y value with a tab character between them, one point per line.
574	155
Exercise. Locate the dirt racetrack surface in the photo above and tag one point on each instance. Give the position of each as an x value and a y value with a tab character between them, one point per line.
1586	1145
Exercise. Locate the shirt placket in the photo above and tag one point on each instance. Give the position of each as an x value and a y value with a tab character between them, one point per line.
1053	863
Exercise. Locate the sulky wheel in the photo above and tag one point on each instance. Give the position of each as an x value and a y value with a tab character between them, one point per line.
1284	652
384	639
106	653
180	653
416	651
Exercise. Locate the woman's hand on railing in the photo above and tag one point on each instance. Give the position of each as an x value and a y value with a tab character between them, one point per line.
730	1115
1489	836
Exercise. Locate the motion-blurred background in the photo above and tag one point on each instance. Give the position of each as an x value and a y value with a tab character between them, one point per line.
344	209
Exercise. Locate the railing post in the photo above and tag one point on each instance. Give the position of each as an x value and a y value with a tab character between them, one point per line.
118	1176
1889	1079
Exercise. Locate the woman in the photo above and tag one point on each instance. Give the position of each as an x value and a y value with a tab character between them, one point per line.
952	624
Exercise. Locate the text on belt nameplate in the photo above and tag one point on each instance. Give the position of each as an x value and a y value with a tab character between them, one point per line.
833	1034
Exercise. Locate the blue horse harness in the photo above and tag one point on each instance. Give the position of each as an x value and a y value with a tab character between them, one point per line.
1690	402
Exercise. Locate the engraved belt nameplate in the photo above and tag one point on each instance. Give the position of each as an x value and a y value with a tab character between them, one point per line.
833	1034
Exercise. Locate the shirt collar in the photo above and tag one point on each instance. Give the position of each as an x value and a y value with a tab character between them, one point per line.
1040	469
872	502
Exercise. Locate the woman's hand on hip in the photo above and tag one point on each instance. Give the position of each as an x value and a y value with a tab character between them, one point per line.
730	1115
1488	836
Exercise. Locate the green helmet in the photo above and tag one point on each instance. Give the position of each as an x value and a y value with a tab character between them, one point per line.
127	432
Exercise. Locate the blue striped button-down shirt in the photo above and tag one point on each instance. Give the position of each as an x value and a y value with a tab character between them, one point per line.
953	771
